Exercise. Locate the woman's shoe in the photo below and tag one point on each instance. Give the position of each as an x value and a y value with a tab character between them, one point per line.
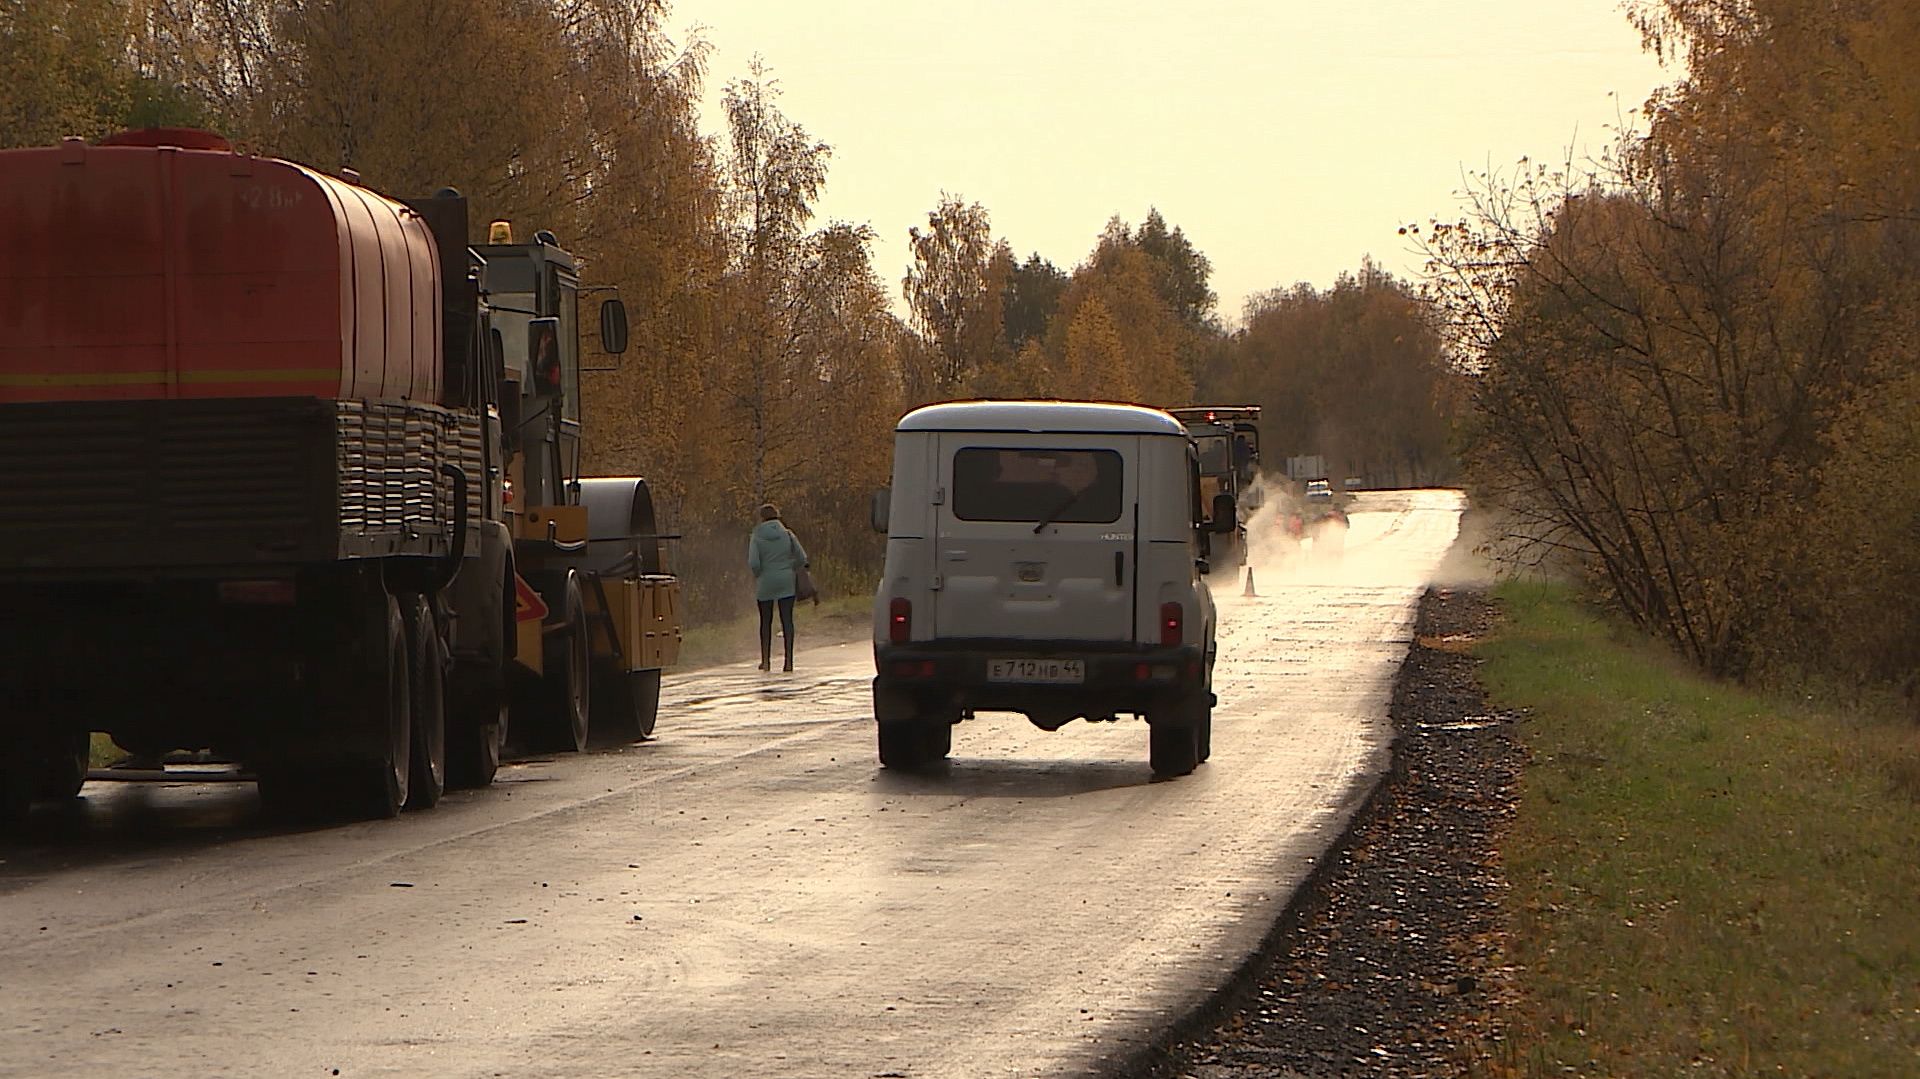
763	665
788	668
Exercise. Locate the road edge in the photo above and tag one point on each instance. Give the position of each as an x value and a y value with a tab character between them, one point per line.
1154	1059
1255	1013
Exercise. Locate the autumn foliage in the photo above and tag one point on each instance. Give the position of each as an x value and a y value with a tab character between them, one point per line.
1355	373
1694	363
769	357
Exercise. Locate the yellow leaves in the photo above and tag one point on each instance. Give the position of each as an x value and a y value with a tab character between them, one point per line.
954	289
66	70
1688	352
1095	362
1115	334
1031	372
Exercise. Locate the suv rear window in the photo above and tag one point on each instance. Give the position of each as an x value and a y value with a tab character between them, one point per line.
1079	486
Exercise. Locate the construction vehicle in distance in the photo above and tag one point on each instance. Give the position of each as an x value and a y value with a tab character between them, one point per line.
1228	438
293	476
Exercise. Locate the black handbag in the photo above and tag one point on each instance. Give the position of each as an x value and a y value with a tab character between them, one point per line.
803	588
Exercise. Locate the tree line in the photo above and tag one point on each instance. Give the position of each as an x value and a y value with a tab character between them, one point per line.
768	361
1692	363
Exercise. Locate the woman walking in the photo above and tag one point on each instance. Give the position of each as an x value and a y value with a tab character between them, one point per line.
779	566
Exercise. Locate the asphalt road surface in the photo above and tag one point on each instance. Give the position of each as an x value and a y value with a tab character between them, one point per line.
747	895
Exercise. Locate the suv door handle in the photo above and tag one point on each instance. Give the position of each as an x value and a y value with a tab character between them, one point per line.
1119	569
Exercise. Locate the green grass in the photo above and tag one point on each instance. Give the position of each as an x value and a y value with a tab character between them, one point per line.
101	751
1704	881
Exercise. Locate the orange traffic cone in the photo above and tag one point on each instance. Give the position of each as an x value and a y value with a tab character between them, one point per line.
1248	591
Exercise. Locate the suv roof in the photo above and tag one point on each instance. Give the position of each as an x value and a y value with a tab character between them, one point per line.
1078	417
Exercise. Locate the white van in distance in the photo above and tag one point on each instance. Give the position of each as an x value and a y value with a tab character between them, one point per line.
1045	558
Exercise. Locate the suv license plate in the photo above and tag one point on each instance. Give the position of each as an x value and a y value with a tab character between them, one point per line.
1058	671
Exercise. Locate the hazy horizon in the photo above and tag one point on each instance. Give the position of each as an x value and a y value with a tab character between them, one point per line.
1288	140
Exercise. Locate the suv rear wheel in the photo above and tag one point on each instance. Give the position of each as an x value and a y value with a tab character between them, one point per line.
1173	746
1182	735
914	743
908	740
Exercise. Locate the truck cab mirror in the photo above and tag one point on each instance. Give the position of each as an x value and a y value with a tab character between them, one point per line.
880	511
1226	517
543	356
613	326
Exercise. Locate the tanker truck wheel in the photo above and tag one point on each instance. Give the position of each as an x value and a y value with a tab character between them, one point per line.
477	705
476	738
16	791
376	778
556	705
63	760
427	653
45	766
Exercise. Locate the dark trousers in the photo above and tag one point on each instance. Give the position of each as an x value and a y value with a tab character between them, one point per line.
766	628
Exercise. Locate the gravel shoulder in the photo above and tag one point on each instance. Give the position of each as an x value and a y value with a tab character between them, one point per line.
1388	963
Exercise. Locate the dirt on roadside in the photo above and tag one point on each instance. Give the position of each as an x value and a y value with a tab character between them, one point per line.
1388	963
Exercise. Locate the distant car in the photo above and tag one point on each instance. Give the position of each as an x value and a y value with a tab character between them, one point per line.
1354	483
1319	491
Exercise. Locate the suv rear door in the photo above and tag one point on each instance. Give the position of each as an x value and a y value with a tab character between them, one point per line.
1036	537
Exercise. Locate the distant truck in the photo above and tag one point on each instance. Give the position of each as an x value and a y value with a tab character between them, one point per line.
1228	440
293	475
1044	557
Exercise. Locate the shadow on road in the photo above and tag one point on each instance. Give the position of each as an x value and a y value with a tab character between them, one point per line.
132	819
974	777
121	822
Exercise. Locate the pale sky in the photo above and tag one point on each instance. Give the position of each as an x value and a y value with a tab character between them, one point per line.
1288	138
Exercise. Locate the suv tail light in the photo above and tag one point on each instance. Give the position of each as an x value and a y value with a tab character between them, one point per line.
1173	627
900	620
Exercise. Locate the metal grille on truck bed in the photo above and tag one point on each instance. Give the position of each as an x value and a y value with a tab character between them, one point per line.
187	485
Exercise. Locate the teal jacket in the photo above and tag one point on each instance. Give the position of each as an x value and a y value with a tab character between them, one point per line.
772	555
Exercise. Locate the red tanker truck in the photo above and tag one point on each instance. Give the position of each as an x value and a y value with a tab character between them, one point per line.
289	471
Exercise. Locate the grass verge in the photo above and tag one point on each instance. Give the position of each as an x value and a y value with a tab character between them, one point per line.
735	640
1704	880
101	751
